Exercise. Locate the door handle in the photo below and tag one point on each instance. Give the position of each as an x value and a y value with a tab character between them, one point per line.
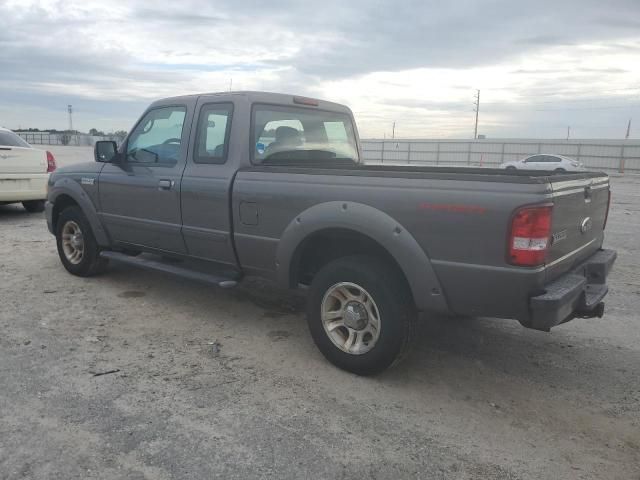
165	184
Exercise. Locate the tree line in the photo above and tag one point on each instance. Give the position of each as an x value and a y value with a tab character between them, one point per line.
92	131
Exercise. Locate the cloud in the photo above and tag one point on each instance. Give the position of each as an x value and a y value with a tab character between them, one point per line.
416	61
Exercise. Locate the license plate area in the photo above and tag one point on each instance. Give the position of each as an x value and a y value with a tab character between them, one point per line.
14	184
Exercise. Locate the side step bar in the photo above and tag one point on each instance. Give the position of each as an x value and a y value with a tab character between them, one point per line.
149	264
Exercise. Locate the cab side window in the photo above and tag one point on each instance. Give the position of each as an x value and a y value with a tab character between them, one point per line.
157	139
212	137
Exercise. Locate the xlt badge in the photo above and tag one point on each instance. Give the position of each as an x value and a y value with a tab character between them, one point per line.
558	236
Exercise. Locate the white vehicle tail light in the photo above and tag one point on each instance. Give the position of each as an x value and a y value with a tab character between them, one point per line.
529	237
51	162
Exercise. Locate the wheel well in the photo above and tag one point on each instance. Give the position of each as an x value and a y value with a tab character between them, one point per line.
325	246
62	202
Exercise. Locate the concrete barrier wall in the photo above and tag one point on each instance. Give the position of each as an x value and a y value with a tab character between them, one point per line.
609	155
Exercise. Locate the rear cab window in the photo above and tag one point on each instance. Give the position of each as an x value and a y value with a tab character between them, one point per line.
212	137
301	136
10	139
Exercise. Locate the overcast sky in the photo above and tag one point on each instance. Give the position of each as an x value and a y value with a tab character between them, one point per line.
541	65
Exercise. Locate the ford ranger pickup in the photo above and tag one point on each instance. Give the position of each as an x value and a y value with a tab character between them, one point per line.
215	187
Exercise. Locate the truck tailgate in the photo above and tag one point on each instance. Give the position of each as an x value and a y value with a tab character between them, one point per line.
580	204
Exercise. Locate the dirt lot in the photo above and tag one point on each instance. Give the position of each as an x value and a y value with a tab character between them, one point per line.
227	384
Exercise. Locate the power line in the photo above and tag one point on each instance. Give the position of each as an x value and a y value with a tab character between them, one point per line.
556	93
631	97
610	107
564	100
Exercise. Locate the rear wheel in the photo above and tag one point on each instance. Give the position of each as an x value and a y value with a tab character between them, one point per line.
77	247
33	206
511	169
559	170
360	314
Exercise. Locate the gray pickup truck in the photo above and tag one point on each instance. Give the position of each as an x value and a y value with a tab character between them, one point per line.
214	187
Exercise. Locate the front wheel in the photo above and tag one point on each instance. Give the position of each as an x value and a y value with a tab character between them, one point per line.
33	206
361	314
77	247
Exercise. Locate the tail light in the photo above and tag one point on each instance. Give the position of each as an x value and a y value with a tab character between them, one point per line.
529	237
606	215
51	162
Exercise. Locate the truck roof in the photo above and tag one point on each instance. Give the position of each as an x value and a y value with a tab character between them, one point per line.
263	97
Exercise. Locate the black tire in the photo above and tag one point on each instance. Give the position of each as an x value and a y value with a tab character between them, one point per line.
91	263
511	169
33	206
559	170
391	295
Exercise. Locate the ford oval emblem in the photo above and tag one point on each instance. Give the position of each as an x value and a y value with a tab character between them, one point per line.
586	225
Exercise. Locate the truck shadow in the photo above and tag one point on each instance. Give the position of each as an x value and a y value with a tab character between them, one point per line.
500	356
459	357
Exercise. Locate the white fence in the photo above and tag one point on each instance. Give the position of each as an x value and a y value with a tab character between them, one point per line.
609	155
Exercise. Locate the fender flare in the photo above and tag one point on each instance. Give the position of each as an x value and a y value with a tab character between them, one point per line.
71	188
375	224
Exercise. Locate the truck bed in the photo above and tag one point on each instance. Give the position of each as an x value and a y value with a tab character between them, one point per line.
459	216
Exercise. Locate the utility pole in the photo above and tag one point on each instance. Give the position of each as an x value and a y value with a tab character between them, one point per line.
477	110
626	137
568	132
70	110
393	131
231	84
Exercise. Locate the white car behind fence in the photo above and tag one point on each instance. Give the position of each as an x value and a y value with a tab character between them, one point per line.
555	163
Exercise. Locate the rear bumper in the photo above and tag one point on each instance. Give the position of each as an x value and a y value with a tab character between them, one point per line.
23	187
578	293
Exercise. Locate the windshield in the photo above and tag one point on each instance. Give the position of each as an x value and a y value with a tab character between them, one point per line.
10	139
290	135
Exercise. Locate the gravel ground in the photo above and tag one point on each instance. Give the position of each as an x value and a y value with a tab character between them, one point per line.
211	383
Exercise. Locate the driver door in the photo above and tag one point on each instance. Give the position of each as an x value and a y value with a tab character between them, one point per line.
140	196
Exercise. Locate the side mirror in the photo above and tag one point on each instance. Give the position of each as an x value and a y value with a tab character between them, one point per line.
105	151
